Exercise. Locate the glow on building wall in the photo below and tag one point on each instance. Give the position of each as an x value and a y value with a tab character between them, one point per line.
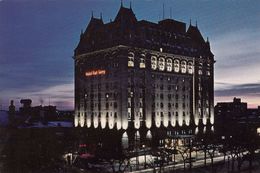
137	122
180	120
204	120
165	120
118	123
148	121
111	122
212	117
103	121
88	120
95	121
158	120
173	120
82	120
196	119
76	121
187	120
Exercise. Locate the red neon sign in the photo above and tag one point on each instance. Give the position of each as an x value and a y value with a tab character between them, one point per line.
95	72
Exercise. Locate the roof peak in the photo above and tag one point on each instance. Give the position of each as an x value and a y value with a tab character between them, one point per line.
125	13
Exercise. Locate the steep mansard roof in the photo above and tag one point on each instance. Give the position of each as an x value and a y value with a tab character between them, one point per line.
194	33
125	14
127	30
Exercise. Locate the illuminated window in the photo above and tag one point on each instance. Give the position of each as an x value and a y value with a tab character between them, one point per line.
142	61
200	72
161	64
169	64
183	67
176	65
153	62
208	73
190	68
131	59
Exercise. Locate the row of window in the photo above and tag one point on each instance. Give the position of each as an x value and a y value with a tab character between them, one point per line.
161	105
99	95
100	86
162	114
171	87
107	104
162	64
171	78
99	114
170	105
170	96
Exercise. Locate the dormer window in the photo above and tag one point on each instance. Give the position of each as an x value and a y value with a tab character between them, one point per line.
161	63
183	67
169	64
176	65
131	59
153	62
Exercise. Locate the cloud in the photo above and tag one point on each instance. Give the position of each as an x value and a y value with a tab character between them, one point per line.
237	56
249	92
61	95
252	89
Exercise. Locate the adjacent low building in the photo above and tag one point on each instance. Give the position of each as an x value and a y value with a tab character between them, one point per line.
231	116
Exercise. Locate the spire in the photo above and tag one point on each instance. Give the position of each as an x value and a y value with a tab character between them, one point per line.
196	24
121	3
163	11
130	4
190	21
125	14
92	14
207	39
170	12
101	18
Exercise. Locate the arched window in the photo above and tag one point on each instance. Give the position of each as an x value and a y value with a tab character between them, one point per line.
176	65
154	62
161	63
169	64
183	67
190	68
142	61
131	59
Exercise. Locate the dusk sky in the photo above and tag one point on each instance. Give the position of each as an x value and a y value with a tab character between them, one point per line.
38	37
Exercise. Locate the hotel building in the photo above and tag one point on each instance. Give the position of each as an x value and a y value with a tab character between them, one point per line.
136	73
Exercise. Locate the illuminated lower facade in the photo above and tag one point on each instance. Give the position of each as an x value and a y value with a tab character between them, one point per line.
124	83
128	86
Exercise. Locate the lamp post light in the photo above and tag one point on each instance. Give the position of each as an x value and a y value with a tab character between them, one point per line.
190	147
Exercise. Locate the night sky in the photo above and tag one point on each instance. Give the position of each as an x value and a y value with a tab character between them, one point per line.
38	37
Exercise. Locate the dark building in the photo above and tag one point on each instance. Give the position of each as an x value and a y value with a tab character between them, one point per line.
228	111
25	110
136	73
231	117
